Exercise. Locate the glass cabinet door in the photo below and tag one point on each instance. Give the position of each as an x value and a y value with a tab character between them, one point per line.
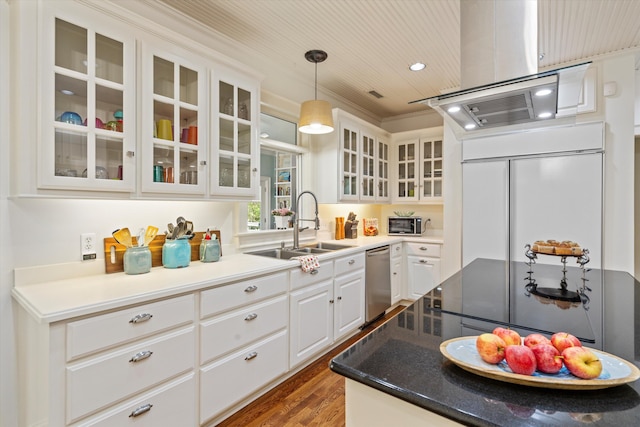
382	190
174	141
431	181
85	142
234	145
367	165
349	144
407	165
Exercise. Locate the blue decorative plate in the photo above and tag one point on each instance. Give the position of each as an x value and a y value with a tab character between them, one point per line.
615	371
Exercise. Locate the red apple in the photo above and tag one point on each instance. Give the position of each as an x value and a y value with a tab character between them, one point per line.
520	359
562	340
534	339
548	358
509	336
582	363
490	348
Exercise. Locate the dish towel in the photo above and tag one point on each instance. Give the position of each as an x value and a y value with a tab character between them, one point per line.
308	263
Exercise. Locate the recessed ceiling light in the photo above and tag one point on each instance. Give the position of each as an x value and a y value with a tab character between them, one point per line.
66	92
543	92
470	126
544	115
418	66
454	109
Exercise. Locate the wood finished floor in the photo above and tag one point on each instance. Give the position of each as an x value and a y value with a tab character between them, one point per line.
312	397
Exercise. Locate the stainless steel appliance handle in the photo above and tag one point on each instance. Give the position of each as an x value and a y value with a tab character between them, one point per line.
378	251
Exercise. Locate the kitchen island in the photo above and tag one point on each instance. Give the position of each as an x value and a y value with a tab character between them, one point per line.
397	373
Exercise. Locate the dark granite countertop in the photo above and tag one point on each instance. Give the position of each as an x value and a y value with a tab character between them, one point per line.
402	356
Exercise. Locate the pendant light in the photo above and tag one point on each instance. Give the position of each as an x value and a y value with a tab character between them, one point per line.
316	116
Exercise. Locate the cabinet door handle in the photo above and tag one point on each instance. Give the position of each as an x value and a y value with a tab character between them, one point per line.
140	410
251	355
131	153
251	288
395	273
330	301
139	318
424	261
339	298
141	356
251	316
423	248
353	261
314	271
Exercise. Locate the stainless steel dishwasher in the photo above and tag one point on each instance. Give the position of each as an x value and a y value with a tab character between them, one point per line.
377	283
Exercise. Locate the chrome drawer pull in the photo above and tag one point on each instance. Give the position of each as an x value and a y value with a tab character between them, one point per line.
138	318
141	356
251	288
352	262
141	410
251	316
314	271
251	355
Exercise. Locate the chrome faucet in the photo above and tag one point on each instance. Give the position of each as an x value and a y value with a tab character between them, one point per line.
296	220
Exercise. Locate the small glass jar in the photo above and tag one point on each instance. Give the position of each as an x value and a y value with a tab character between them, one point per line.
137	260
176	253
210	250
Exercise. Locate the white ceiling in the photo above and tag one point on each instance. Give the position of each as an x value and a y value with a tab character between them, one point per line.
371	43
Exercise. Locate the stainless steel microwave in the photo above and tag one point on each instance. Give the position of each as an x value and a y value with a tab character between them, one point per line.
405	225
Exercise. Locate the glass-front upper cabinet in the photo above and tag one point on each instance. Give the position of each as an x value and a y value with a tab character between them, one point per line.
349	150
234	148
382	186
367	166
88	120
175	133
419	170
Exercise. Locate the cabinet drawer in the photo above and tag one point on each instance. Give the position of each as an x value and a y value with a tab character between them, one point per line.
423	249
396	250
238	328
170	405
237	294
98	382
349	263
237	376
100	332
300	279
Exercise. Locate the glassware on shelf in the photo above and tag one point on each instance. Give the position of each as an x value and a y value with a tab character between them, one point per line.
228	107
243	113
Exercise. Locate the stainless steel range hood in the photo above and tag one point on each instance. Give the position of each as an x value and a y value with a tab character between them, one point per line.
534	98
502	90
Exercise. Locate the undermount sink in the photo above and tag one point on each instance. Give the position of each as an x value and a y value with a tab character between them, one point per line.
327	246
288	253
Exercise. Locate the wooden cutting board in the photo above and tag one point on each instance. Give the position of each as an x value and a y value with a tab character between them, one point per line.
114	251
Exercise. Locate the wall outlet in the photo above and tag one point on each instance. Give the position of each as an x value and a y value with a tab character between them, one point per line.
88	246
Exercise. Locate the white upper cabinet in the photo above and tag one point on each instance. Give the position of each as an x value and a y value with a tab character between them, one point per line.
235	150
109	107
352	163
418	170
87	122
174	121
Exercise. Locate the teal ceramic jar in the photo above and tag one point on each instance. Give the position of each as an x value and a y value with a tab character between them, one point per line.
210	250
176	253
137	260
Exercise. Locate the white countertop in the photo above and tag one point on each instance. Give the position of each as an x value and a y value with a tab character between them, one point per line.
62	299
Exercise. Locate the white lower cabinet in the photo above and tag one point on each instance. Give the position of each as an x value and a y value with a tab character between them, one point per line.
423	268
311	320
100	381
167	405
327	308
243	340
238	375
396	272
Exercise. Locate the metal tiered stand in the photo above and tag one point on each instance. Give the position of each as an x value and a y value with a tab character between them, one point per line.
561	293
